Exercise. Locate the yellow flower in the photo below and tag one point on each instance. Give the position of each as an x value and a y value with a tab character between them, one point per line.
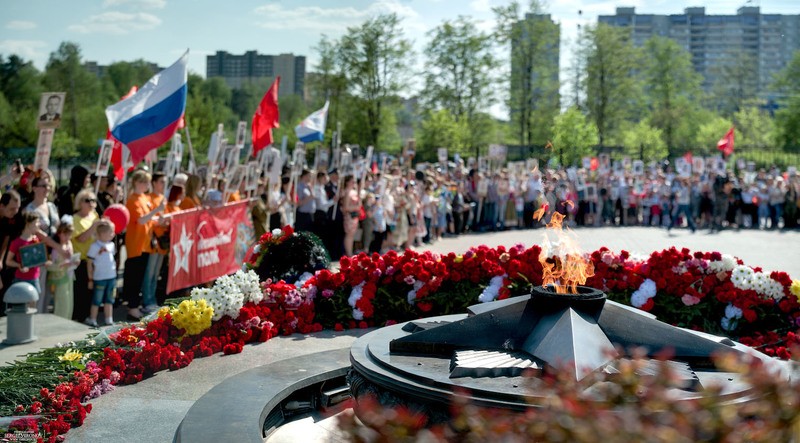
795	288
163	312
70	355
459	259
192	316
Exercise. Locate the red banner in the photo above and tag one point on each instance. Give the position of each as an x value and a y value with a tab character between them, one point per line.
203	245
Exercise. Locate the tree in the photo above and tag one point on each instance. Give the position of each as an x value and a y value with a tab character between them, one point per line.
672	88
612	89
83	113
757	129
329	82
644	142
20	87
458	67
377	60
709	133
439	129
122	76
787	119
736	81
534	88
573	137
206	107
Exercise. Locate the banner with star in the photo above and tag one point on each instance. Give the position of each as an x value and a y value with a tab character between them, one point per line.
203	245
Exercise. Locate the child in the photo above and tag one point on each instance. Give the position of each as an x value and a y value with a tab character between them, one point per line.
60	274
102	270
27	238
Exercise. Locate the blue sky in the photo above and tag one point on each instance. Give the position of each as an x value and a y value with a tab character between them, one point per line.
161	30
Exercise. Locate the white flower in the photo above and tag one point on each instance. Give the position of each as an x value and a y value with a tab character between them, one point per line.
732	311
638	299
412	294
355	296
743	277
357	314
636	257
646	291
225	297
492	291
303	278
728	263
276	232
728	324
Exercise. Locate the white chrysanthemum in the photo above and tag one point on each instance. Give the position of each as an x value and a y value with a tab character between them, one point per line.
225	297
773	289
728	263
648	287
276	232
357	314
492	291
249	286
742	277
636	257
412	294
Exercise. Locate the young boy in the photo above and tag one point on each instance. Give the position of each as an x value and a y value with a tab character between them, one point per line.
102	270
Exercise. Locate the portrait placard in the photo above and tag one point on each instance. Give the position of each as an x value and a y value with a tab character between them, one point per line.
441	154
252	176
572	174
586	163
104	159
741	164
626	162
638	167
605	162
698	165
683	167
497	152
483	164
720	165
591	191
161	165
238	175
483	187
241	134
33	255
411	148
51	105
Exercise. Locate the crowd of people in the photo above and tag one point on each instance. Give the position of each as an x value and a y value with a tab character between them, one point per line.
394	208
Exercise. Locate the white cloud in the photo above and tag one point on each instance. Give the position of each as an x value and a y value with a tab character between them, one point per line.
34	50
116	23
482	6
332	21
136	4
20	25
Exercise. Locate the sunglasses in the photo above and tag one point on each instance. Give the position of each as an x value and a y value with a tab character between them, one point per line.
89	200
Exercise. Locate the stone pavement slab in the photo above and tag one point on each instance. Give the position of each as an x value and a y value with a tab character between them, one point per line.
50	330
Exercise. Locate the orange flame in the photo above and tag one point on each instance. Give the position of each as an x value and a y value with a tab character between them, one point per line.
539	213
564	266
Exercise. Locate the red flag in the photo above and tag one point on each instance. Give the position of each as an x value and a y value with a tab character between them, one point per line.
594	164
266	118
116	151
725	144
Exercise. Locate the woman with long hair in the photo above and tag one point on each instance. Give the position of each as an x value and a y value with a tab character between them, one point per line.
48	224
191	198
351	206
11	225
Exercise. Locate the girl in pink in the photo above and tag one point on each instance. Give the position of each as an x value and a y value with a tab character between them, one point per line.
27	238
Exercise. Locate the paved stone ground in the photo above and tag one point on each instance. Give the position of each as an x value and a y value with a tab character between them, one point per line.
151	410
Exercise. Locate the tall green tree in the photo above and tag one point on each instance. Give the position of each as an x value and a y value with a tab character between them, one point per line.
439	129
574	136
758	131
735	82
122	76
643	141
83	115
534	88
672	88
20	87
787	119
612	89
459	62
329	82
207	105
377	57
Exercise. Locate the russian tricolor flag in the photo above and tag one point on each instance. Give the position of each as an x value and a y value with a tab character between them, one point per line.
149	118
313	127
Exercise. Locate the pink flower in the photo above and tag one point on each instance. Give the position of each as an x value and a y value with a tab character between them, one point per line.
327	293
690	300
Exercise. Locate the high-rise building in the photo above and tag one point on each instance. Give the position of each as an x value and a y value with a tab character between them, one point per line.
722	46
237	70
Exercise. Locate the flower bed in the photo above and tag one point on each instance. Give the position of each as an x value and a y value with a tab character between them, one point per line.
705	291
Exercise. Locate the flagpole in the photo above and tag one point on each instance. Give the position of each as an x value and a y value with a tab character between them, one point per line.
192	164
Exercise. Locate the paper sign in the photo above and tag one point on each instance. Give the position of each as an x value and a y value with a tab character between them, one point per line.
497	152
104	159
51	104
698	165
587	162
252	176
44	147
638	167
441	153
241	134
